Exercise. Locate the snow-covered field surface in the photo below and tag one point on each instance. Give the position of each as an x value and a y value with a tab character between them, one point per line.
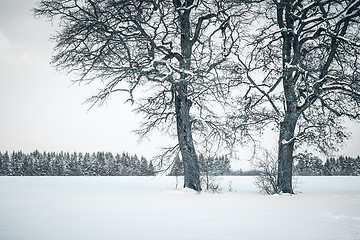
106	208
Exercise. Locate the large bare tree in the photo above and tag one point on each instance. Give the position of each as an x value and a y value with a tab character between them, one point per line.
167	51
303	73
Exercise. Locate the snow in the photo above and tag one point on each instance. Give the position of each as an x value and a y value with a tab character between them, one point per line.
54	208
285	142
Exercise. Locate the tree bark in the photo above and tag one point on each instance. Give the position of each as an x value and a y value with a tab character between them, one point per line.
285	155
183	104
287	126
189	157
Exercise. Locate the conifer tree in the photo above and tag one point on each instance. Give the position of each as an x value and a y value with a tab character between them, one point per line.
151	171
1	165
177	167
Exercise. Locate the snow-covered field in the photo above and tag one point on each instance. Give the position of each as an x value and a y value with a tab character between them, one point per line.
106	208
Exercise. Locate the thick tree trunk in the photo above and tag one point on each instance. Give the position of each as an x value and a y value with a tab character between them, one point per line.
287	126
183	104
285	156
189	157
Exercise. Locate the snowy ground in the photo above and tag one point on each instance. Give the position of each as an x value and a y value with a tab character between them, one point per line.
106	208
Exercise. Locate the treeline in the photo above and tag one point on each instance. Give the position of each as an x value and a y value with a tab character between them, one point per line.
74	164
208	166
305	165
308	165
107	164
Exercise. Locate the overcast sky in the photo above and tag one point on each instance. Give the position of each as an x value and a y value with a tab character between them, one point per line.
41	109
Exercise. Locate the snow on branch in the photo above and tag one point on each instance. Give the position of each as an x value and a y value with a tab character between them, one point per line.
286	142
357	44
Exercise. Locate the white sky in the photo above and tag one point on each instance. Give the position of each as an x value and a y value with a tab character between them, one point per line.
41	109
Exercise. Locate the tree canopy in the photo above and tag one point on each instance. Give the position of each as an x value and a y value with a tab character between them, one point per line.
169	52
302	70
294	63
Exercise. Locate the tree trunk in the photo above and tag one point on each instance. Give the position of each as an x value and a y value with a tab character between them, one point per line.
285	156
183	103
189	157
287	126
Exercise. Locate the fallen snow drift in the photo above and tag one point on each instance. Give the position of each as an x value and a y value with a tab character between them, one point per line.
64	208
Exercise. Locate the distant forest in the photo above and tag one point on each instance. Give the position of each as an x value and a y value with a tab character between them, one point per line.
309	165
107	164
74	164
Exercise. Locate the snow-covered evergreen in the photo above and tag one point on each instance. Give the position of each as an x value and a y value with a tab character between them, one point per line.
74	164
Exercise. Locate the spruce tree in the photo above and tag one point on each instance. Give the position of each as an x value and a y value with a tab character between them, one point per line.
177	167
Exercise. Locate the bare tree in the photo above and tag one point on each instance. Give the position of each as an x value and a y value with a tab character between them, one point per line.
267	178
302	71
169	52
